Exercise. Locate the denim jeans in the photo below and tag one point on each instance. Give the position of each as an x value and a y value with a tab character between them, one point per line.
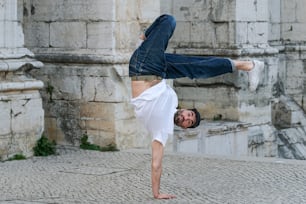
150	57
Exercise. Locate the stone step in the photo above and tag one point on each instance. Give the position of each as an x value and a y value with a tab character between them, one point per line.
227	138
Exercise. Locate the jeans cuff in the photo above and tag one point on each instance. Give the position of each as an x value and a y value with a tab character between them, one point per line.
233	64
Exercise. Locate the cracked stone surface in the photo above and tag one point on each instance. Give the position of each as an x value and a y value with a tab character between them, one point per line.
78	176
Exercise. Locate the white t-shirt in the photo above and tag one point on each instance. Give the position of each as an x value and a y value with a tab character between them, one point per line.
155	108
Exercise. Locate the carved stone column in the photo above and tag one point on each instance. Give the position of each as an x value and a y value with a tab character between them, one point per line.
21	113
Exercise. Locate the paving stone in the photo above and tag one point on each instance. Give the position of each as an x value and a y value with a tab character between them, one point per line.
78	176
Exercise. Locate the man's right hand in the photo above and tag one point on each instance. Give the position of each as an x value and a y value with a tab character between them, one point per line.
165	196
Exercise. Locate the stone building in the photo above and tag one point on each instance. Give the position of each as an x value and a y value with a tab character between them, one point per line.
85	47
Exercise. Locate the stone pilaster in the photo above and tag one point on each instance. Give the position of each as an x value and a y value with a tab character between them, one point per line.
21	118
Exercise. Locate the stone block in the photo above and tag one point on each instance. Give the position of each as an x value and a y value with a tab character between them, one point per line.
124	14
2	10
27	116
9	9
23	123
300	11
2	34
183	27
104	89
251	11
89	90
208	94
287	7
44	10
109	90
101	35
148	10
241	36
274	11
186	104
59	10
11	34
274	31
121	70
166	7
211	102
68	34
130	133
262	141
203	32
37	34
245	10
101	138
213	111
227	144
53	131
292	31
5	117
258	33
262	10
99	124
127	35
92	110
94	10
4	147
250	113
213	138
65	87
223	11
295	68
222	34
123	111
186	10
294	138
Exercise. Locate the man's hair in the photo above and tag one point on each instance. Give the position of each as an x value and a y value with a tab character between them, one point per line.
197	116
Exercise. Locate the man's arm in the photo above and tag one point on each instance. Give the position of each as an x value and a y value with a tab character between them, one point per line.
156	170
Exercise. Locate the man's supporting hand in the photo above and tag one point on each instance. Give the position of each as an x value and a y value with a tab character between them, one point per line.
165	196
156	166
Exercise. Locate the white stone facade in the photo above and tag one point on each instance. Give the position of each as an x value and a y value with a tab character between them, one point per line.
85	47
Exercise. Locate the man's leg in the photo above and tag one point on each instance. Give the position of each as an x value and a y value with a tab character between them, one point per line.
206	67
156	166
149	58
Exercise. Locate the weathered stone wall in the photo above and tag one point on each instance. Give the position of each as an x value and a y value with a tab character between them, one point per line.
267	29
21	113
85	46
235	29
293	29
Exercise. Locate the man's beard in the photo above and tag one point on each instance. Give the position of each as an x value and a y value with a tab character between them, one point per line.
178	118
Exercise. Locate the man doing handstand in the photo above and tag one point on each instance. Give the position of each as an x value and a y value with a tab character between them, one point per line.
156	103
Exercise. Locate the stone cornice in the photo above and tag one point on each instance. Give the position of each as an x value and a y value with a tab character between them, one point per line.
15	64
12	59
22	85
81	56
246	51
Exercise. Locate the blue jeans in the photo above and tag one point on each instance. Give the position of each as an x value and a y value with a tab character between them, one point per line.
150	57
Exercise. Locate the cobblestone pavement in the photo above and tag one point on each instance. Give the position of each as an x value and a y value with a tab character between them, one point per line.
78	176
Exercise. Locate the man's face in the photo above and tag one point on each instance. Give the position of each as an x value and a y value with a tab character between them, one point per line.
184	118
